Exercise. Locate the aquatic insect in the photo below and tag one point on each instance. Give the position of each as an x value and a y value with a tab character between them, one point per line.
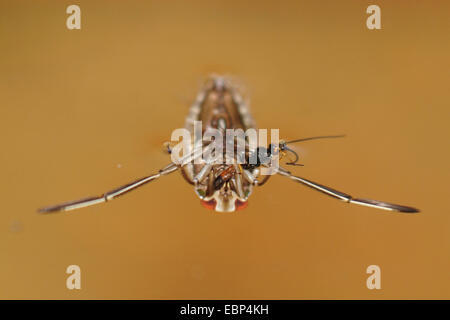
226	187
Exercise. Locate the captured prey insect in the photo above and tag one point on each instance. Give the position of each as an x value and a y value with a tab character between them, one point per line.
226	187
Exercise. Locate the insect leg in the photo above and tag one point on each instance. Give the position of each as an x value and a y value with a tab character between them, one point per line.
204	172
346	197
249	177
110	195
237	180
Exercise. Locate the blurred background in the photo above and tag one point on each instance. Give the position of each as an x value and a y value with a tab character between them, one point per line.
84	111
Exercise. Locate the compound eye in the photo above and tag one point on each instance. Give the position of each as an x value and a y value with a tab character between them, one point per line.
211	204
240	205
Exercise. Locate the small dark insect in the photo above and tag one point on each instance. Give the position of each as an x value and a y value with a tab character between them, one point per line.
227	187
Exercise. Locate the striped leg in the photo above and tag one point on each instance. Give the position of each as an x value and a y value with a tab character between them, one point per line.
347	198
110	195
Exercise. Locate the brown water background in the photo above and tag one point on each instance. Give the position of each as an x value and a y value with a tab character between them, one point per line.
75	104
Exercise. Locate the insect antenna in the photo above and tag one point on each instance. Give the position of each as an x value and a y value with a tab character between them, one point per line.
314	138
293	163
284	147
